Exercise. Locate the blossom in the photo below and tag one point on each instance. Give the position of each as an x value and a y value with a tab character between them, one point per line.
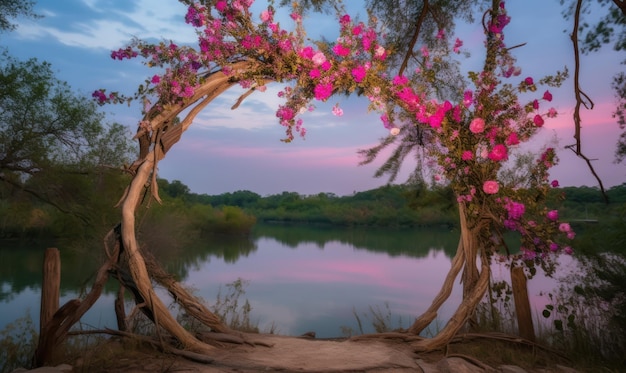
380	53
512	139
318	58
221	6
155	79
467	155
547	96
266	16
529	81
394	131
555	183
458	43
491	187
323	91
538	120
467	98
553	215
568	250
477	125
341	50
498	153
359	73
565	227
337	111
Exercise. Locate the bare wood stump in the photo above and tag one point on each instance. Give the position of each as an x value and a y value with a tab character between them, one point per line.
50	290
522	304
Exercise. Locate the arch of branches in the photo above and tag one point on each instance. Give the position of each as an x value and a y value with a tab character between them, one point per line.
469	141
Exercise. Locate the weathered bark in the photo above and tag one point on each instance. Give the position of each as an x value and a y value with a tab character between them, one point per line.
522	304
465	258
462	314
69	314
50	289
427	317
164	137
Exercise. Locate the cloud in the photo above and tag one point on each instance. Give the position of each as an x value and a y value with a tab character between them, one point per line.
108	27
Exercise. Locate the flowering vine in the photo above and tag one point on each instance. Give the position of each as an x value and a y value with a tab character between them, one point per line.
469	140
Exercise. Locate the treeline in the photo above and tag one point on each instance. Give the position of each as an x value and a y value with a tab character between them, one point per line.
390	205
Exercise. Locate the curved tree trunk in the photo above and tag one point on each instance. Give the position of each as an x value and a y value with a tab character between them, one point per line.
473	292
164	135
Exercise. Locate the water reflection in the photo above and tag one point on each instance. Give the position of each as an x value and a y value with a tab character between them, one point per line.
300	278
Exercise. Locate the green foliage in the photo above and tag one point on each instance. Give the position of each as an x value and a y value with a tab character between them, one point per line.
11	9
60	166
18	342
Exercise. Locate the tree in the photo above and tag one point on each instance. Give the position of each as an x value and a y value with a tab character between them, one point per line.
468	142
609	28
47	131
12	9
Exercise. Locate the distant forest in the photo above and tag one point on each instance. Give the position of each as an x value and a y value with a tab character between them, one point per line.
182	214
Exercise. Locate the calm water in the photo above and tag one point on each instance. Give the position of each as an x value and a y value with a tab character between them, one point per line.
300	278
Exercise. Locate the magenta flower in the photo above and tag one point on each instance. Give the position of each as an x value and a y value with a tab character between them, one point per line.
512	139
221	6
538	120
547	96
568	250
457	45
359	73
491	187
555	183
498	153
529	81
341	50
477	125
156	79
467	98
467	155
565	227
323	91
535	104
337	111
553	215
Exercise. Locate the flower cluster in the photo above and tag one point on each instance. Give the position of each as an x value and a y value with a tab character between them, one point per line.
471	139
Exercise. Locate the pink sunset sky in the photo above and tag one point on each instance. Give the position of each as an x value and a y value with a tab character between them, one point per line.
226	151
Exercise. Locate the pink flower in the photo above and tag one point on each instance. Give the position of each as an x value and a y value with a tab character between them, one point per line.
457	45
547	96
555	183
538	120
266	16
394	131
359	73
491	187
477	125
553	215
380	53
221	6
318	58
156	79
498	153
467	98
337	111
535	104
568	250
341	50
551	113
565	227
323	91
467	155
529	81
314	74
400	80
512	139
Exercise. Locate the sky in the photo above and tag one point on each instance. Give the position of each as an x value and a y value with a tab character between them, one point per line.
229	150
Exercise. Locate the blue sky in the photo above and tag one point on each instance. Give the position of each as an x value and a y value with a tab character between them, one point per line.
226	151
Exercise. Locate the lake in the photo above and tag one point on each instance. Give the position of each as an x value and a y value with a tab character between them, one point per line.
299	278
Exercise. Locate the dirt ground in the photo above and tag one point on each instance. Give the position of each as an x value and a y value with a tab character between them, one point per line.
293	354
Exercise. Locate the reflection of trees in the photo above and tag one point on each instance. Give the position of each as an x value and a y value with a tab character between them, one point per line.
395	242
21	267
200	251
